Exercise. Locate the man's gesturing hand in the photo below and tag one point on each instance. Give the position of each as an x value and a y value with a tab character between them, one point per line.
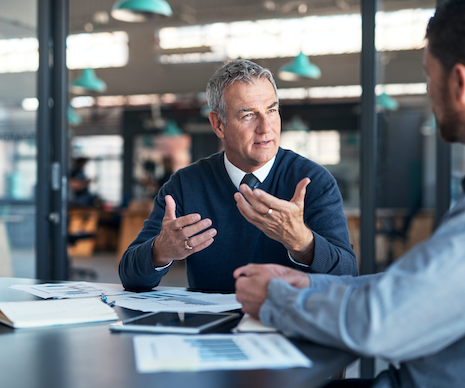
280	220
252	283
175	241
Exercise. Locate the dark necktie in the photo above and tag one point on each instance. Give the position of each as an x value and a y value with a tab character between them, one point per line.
251	181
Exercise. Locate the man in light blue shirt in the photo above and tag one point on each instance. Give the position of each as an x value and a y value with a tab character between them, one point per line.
413	314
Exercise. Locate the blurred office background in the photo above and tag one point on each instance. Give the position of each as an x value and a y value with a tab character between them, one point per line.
137	112
133	94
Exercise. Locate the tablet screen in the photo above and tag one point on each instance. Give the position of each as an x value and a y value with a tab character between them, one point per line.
176	319
174	322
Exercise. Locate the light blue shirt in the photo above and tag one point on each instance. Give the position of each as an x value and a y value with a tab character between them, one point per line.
414	313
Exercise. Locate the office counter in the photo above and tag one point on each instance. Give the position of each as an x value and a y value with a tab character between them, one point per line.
89	355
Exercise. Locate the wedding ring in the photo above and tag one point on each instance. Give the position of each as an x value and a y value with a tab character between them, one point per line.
186	245
270	210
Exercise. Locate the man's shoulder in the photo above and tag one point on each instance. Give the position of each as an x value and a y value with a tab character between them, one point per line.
208	165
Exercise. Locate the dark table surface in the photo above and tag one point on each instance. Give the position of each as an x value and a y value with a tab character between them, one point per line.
89	355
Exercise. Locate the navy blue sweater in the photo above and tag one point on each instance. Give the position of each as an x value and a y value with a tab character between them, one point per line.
205	188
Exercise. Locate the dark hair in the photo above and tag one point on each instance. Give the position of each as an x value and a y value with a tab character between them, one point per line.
81	160
446	34
240	70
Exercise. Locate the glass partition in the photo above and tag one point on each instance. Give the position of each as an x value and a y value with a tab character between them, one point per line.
18	151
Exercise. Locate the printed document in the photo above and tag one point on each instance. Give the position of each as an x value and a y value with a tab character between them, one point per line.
164	353
179	300
40	313
68	290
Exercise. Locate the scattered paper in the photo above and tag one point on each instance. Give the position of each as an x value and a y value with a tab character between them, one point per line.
68	290
180	300
249	324
165	353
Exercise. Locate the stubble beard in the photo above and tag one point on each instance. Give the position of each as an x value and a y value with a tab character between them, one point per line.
452	126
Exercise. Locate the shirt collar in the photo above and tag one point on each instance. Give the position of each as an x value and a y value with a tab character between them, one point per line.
236	174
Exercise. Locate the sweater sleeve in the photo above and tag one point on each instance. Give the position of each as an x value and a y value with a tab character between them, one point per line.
325	217
136	269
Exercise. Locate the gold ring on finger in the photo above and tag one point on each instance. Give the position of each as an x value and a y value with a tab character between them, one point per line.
186	245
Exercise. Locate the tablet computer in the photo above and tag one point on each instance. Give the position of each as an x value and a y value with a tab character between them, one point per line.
174	322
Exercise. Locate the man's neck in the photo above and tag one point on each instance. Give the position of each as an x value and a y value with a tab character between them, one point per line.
236	174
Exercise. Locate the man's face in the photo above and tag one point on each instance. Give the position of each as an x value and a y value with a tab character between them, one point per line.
251	136
450	115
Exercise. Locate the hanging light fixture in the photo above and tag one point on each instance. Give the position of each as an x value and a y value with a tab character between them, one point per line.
140	10
385	101
172	129
205	111
296	124
299	67
86	82
73	117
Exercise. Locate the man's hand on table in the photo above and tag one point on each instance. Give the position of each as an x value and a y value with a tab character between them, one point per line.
252	284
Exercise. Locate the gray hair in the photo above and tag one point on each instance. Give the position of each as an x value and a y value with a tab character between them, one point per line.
240	70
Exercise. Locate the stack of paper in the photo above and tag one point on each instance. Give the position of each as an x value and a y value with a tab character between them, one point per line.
249	324
55	312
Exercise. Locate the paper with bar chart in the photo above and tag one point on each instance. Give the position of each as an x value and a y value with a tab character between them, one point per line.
165	353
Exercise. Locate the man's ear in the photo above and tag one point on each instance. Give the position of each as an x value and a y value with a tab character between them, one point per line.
458	83
216	124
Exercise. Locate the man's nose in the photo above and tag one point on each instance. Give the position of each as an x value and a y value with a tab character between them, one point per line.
264	124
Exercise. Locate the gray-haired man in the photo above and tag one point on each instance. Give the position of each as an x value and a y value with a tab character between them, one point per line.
200	214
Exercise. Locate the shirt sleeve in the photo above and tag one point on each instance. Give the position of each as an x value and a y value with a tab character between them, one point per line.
411	310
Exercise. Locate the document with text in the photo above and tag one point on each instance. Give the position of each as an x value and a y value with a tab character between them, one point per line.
68	290
179	300
176	353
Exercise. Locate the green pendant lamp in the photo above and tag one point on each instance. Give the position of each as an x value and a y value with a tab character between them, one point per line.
87	82
205	111
299	67
171	129
385	101
140	10
73	117
296	124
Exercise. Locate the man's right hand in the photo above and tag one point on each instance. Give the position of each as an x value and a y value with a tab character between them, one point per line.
175	241
252	284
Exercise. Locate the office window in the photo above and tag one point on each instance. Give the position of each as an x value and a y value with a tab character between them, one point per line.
322	147
104	166
276	38
96	50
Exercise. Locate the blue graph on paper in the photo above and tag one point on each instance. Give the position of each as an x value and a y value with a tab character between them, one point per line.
217	349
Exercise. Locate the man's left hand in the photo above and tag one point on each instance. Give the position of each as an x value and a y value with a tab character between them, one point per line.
280	220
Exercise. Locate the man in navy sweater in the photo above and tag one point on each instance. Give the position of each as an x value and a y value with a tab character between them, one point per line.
205	215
